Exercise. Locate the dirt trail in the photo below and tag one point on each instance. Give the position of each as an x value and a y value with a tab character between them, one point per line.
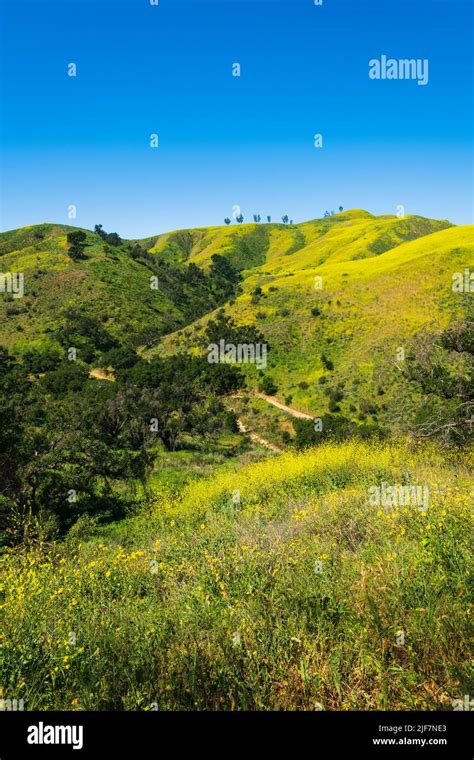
101	374
258	439
270	400
283	407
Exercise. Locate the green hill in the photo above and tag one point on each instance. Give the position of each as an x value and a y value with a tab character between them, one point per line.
336	311
156	516
335	298
108	284
111	283
351	234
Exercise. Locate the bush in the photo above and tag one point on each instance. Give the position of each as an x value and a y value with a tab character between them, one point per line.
77	243
267	386
120	358
327	363
38	361
68	378
82	529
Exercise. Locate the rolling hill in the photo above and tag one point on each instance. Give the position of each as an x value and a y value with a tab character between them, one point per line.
201	564
108	284
336	311
336	298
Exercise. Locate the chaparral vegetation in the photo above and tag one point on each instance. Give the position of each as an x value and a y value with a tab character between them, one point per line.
183	534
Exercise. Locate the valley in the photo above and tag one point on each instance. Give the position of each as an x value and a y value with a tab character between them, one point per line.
199	528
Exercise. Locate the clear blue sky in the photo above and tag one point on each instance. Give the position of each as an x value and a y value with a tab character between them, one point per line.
228	141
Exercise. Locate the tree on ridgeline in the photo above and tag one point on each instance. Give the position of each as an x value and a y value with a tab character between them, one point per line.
112	238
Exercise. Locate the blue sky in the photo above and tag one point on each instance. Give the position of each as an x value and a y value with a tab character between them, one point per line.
227	141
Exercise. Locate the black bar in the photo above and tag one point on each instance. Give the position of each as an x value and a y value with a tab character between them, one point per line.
137	735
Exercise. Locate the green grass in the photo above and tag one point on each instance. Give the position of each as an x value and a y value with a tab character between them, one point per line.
293	598
369	306
110	286
175	469
204	601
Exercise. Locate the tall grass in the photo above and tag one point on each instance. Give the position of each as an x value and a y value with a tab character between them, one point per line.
294	593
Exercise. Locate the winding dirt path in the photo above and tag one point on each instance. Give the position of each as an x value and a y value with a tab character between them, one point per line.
274	401
258	439
102	374
283	407
270	400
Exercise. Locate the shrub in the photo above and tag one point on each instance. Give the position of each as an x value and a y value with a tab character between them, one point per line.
268	386
327	363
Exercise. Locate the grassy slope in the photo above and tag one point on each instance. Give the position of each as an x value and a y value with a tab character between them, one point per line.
196	603
354	233
370	304
112	287
202	604
116	288
383	279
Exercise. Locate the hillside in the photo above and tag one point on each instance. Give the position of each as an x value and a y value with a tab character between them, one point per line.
335	298
112	285
298	594
336	311
107	284
179	534
344	236
110	282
